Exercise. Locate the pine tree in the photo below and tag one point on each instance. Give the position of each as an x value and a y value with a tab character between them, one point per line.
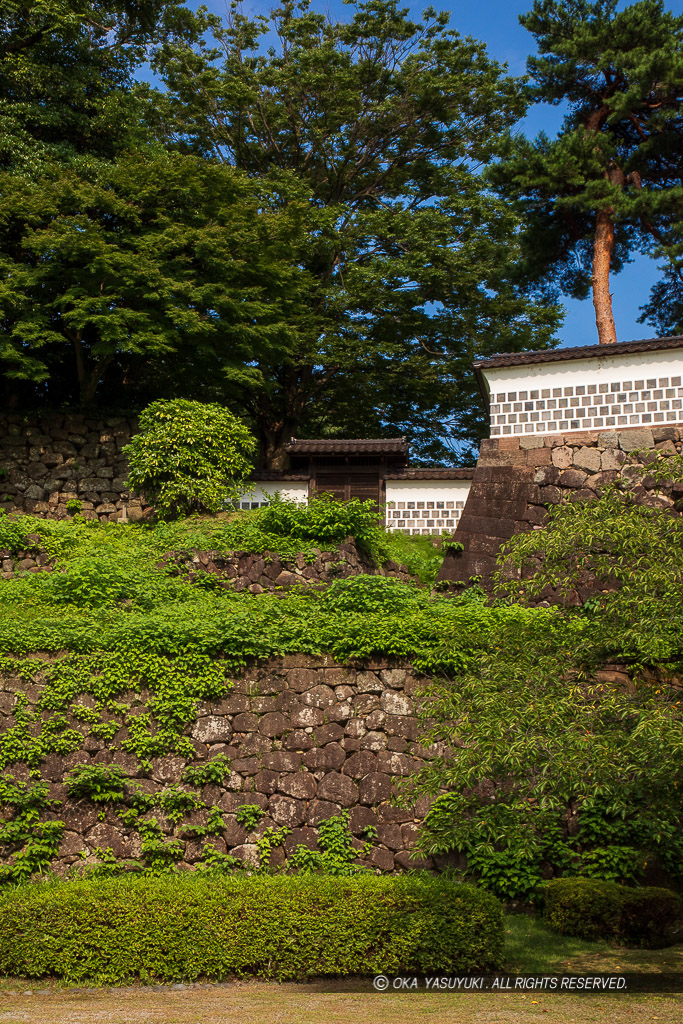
611	182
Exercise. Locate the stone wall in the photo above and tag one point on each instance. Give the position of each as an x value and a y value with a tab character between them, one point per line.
48	460
257	573
517	478
305	738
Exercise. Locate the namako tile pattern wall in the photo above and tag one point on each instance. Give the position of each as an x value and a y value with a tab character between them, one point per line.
643	401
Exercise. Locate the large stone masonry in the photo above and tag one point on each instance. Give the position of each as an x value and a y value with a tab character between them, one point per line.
305	738
49	460
518	478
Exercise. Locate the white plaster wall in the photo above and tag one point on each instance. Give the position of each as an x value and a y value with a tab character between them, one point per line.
425	506
263	490
614	390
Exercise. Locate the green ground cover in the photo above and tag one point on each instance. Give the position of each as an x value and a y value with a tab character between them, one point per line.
107	594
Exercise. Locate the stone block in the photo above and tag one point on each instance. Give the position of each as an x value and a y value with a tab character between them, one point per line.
611	459
265	781
301	679
282	761
305	836
233	834
329	757
395	764
355	727
300	785
273	724
572	478
247	853
331	733
389	834
369	682
298	739
287	811
254	743
562	457
338	789
588	459
373	741
394	703
393	678
666	433
374	788
167	769
381	859
362	763
306	717
319	696
638	438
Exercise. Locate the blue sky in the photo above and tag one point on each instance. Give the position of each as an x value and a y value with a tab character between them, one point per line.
495	22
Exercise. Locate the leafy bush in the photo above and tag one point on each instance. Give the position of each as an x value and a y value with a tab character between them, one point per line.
190	926
369	594
189	456
591	909
14	533
249	815
417	554
337	854
101	783
324	520
210	773
560	762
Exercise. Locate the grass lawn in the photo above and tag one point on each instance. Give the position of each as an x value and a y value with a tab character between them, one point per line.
531	949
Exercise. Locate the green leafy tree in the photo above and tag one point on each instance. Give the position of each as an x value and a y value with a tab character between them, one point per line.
378	124
610	183
66	71
189	456
557	763
139	276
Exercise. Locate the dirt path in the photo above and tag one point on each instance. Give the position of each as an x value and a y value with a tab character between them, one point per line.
266	1003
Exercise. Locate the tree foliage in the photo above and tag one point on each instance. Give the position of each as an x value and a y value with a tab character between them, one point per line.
557	763
378	124
610	183
122	272
66	75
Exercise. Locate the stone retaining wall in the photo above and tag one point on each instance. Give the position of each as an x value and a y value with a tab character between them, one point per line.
517	478
49	460
305	738
257	573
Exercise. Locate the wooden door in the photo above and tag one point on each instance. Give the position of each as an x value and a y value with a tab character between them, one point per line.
344	484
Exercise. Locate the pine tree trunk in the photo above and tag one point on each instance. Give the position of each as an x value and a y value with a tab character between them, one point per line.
603	247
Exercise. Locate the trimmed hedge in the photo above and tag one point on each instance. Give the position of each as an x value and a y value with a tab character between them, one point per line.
592	909
182	927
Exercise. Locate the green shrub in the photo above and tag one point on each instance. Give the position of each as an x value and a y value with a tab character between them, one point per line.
368	594
323	519
101	783
181	928
416	553
337	854
14	533
189	456
249	815
591	909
